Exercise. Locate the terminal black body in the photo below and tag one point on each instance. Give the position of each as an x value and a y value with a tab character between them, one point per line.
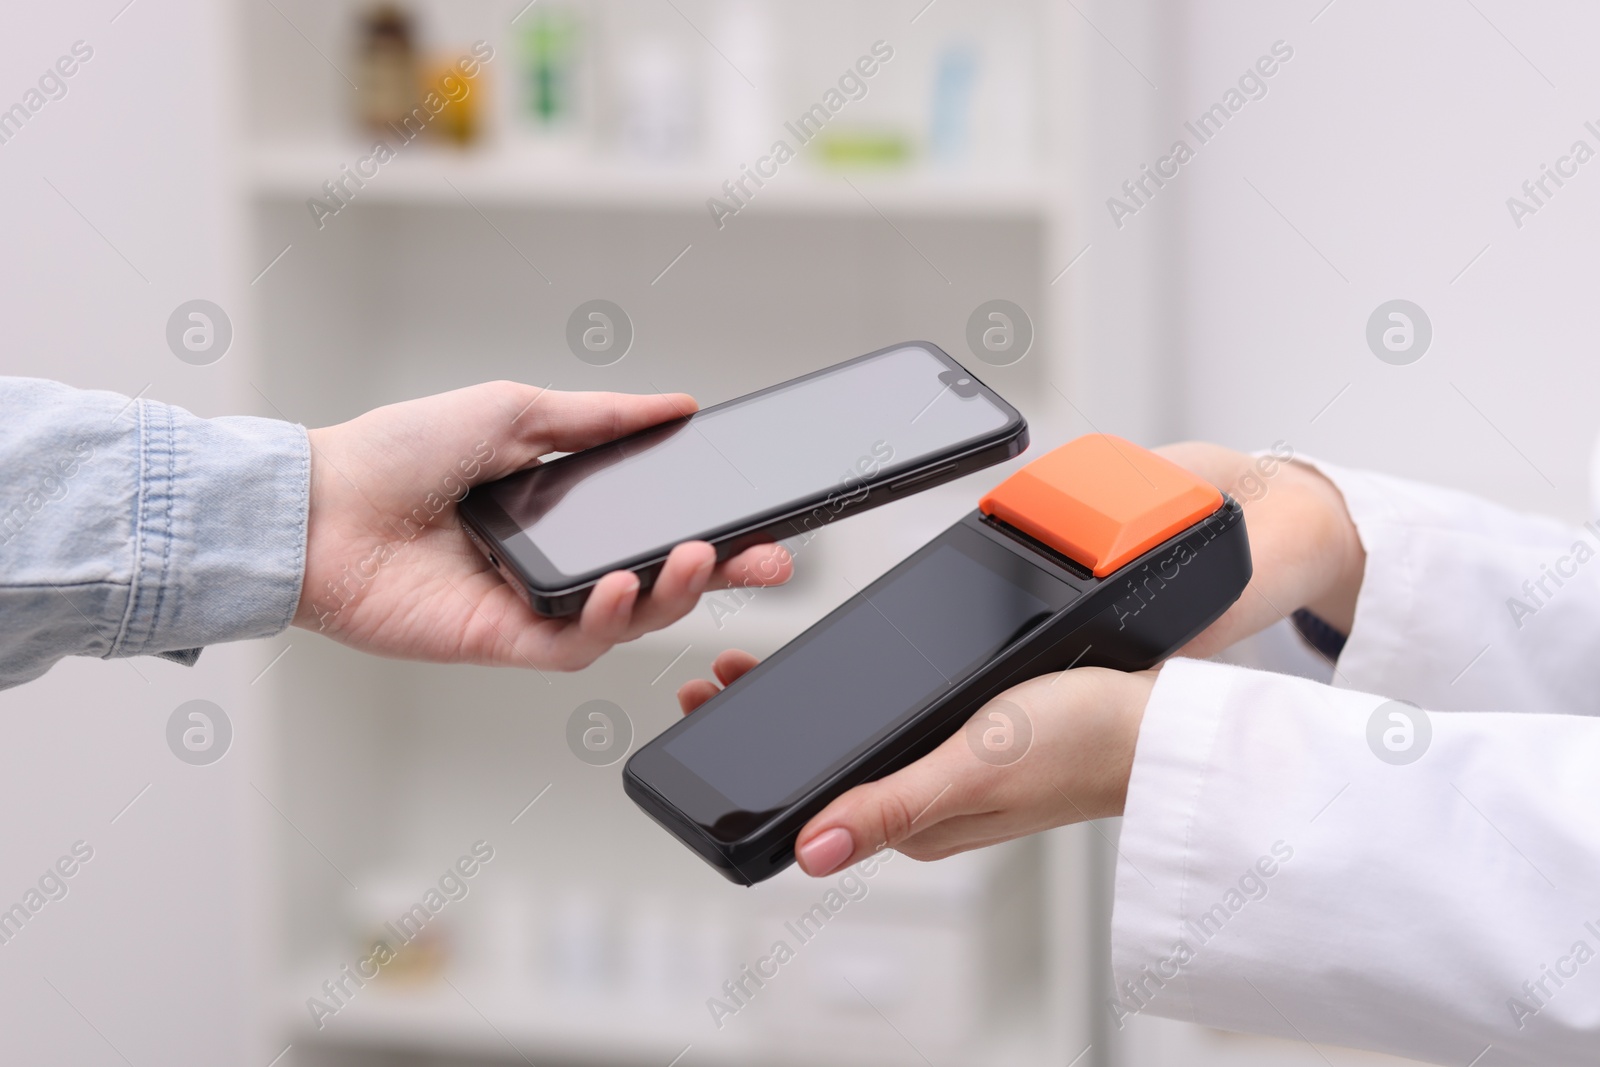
903	664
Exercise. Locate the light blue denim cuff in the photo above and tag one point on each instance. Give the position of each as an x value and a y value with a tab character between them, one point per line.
221	531
135	528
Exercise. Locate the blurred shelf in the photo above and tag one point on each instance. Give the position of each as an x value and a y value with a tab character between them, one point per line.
505	1022
432	175
593	1004
500	1020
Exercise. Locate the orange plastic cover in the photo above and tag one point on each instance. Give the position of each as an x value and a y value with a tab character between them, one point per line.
1101	501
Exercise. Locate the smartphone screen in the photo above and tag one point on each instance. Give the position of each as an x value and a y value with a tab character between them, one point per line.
881	658
752	458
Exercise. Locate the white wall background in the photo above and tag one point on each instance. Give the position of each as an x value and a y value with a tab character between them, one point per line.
1391	142
147	959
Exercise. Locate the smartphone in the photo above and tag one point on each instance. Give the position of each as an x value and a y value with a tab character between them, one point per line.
898	668
767	466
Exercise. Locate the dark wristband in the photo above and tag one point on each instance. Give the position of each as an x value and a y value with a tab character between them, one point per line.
1317	633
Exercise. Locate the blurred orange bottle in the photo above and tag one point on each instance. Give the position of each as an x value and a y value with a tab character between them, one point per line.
461	121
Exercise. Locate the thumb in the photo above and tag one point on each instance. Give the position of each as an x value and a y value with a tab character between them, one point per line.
883	814
437	446
541	421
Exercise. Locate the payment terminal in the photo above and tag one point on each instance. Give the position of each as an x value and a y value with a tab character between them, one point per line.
1099	553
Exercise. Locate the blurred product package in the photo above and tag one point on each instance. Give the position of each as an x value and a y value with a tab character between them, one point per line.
658	107
591	77
386	68
422	75
548	59
389	913
743	114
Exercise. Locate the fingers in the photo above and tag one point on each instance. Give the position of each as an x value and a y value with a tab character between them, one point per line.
963	833
606	619
693	693
729	667
759	566
888	812
732	665
677	588
616	612
691	569
610	605
549	420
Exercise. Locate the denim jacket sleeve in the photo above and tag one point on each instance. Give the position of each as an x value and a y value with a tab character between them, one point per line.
129	527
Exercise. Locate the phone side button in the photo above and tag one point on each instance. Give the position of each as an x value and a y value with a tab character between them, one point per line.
917	479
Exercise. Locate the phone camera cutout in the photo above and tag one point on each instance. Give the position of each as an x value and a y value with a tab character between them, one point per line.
963	385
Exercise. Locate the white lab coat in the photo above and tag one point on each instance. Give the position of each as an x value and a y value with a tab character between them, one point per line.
1277	876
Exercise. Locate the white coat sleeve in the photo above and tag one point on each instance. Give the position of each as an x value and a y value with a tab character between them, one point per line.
1278	876
1285	870
1467	605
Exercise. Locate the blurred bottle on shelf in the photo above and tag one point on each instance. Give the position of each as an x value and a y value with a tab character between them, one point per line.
950	118
656	100
1005	124
653	955
549	55
387	912
549	50
459	71
743	116
579	957
387	67
460	121
504	947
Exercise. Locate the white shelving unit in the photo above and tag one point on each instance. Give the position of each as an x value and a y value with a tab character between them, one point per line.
285	170
593	937
891	957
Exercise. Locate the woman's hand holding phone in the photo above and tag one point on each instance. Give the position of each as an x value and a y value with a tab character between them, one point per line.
1084	722
388	571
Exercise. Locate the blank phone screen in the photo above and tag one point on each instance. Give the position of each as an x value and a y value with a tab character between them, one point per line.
746	461
867	668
